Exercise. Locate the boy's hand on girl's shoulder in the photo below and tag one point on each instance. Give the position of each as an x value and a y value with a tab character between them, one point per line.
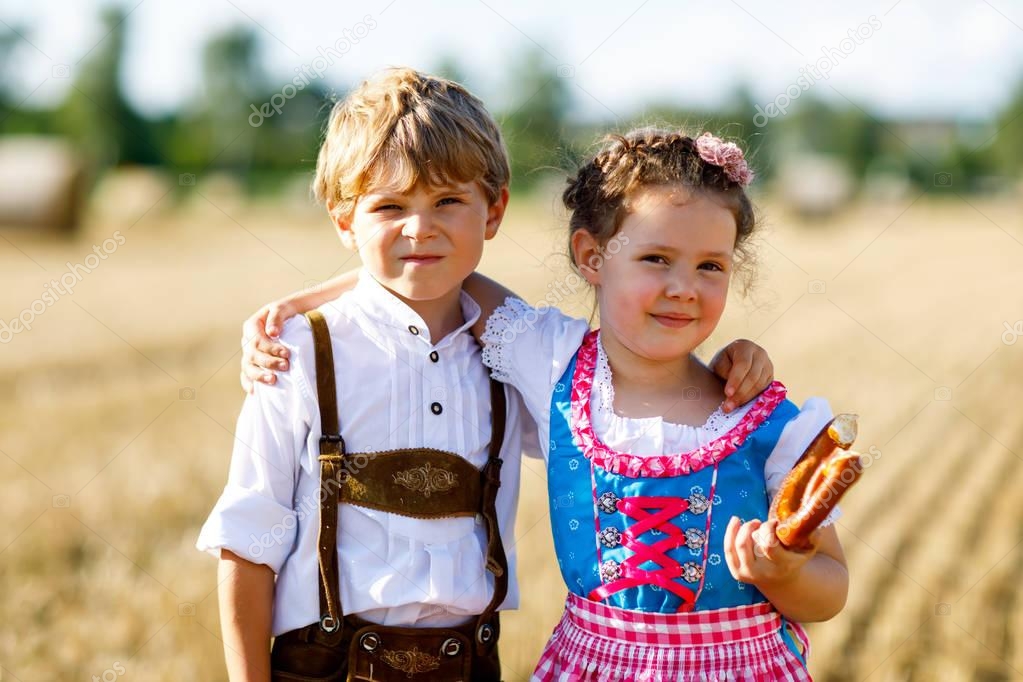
262	354
755	556
747	370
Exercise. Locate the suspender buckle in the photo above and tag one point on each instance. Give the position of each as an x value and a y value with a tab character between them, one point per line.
492	471
494	566
369	641
451	647
332	444
329	624
485	633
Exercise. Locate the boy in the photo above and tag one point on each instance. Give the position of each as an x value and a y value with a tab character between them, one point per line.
398	517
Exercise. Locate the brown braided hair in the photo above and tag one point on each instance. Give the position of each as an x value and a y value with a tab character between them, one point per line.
599	193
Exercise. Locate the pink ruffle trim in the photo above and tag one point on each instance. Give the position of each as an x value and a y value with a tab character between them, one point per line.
656	466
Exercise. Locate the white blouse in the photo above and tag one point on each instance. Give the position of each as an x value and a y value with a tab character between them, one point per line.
521	340
397	388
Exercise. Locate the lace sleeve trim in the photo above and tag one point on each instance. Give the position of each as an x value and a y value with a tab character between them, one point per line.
508	320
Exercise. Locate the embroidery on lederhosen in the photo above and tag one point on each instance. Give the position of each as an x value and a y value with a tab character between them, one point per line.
356	489
410	661
426	480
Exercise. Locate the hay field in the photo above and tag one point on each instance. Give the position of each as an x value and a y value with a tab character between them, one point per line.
117	411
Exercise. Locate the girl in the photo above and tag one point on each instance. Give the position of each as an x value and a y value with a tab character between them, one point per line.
658	501
658	495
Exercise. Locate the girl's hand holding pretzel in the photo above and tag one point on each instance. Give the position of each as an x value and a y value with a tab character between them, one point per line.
755	556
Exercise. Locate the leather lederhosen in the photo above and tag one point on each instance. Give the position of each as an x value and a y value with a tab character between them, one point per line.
418	482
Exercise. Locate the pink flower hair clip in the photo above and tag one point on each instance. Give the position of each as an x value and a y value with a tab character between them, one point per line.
717	152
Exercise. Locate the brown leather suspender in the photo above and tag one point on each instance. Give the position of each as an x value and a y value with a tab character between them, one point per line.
497	561
332	455
418	482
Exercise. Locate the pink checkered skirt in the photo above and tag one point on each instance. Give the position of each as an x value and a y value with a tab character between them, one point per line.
602	643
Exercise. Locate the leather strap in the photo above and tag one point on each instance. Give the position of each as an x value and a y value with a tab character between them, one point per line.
497	560
346	477
332	454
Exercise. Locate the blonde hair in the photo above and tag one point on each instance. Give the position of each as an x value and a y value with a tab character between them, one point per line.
403	127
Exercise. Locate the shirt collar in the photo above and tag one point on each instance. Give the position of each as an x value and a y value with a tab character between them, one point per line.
381	304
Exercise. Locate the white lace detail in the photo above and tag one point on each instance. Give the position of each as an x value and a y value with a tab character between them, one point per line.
603	385
717	424
500	333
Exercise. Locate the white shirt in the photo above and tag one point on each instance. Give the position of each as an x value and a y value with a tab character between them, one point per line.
520	340
395	570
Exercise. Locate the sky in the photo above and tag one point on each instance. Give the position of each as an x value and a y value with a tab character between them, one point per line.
912	58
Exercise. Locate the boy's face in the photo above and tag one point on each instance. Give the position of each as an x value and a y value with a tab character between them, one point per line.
421	244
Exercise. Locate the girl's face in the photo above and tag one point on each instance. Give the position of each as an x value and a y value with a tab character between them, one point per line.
662	288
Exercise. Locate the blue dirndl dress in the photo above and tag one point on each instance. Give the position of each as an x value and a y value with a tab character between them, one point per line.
640	540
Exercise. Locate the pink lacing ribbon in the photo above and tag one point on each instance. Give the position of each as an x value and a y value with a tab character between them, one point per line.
631	573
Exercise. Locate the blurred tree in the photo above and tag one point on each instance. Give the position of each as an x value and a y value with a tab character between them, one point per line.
735	122
7	42
449	67
1007	148
247	124
95	114
219	130
287	144
843	132
15	117
859	140
970	169
813	122
233	82
535	124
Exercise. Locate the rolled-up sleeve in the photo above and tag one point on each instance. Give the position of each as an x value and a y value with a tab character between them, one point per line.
255	516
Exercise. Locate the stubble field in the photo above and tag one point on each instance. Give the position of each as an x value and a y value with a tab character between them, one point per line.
117	410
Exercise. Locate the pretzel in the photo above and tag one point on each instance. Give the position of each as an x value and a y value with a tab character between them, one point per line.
821	476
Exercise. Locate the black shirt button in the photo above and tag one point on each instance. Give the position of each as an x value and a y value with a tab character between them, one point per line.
434	356
415	330
436	408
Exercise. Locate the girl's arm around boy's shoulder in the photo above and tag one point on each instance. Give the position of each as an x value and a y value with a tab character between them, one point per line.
263	354
525	346
489	296
744	365
520	340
